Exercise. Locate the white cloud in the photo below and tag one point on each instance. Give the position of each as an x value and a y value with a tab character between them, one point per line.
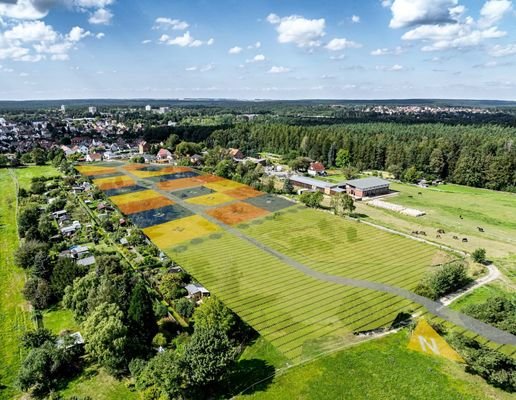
452	36
203	68
278	70
337	58
391	68
146	41
386	51
77	33
168	23
31	32
38	9
503	50
101	16
419	12
235	50
298	30
184	41
493	11
5	69
355	19
257	45
33	41
256	58
338	44
100	35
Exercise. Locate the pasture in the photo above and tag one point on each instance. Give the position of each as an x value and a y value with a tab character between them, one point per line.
444	205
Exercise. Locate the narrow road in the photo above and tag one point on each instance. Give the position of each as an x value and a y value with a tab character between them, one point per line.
436	308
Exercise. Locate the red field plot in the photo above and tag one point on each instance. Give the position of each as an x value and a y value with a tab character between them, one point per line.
131	203
114	182
236	213
243	193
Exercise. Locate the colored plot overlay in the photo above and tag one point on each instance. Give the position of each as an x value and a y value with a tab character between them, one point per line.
131	203
340	247
114	182
192	192
157	216
169	177
171	233
270	202
300	315
186	183
426	340
224	185
236	213
124	190
244	192
148	172
91	170
212	199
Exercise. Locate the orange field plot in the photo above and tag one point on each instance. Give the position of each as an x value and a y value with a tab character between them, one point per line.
181	230
131	203
114	182
224	185
212	199
185	183
243	193
236	213
89	170
161	171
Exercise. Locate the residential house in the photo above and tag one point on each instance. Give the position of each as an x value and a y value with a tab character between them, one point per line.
164	155
236	154
143	147
316	169
196	159
94	157
196	292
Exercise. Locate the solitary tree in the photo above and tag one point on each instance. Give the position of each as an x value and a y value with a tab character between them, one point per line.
479	255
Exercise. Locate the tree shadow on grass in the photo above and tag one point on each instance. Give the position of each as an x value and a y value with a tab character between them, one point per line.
249	376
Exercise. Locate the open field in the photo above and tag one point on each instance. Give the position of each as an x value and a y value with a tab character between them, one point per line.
25	174
299	315
59	319
340	247
244	252
15	317
379	369
493	211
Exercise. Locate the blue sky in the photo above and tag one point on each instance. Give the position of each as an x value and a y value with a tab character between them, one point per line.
247	49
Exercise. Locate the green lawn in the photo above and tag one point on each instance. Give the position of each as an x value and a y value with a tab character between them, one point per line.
494	211
15	317
25	174
380	369
299	315
58	320
480	295
98	385
346	248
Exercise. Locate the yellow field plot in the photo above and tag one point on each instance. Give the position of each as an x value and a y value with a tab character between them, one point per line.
162	171
89	170
212	199
426	340
181	230
134	196
114	182
132	167
224	185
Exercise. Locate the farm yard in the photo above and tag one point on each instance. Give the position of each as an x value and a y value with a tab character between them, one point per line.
228	237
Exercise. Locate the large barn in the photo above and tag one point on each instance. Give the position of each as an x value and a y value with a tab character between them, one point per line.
358	188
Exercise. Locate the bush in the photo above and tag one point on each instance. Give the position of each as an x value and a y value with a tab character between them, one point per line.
311	199
185	307
479	255
38	292
445	280
497	311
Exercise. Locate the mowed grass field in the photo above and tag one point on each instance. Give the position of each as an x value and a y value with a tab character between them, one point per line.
380	369
493	211
15	317
346	248
299	315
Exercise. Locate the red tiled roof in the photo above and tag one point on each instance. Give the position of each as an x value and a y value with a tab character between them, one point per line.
317	166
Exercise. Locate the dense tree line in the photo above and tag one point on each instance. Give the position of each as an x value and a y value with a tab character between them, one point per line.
480	156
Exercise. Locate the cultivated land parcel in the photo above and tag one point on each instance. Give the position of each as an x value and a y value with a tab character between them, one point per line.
244	246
